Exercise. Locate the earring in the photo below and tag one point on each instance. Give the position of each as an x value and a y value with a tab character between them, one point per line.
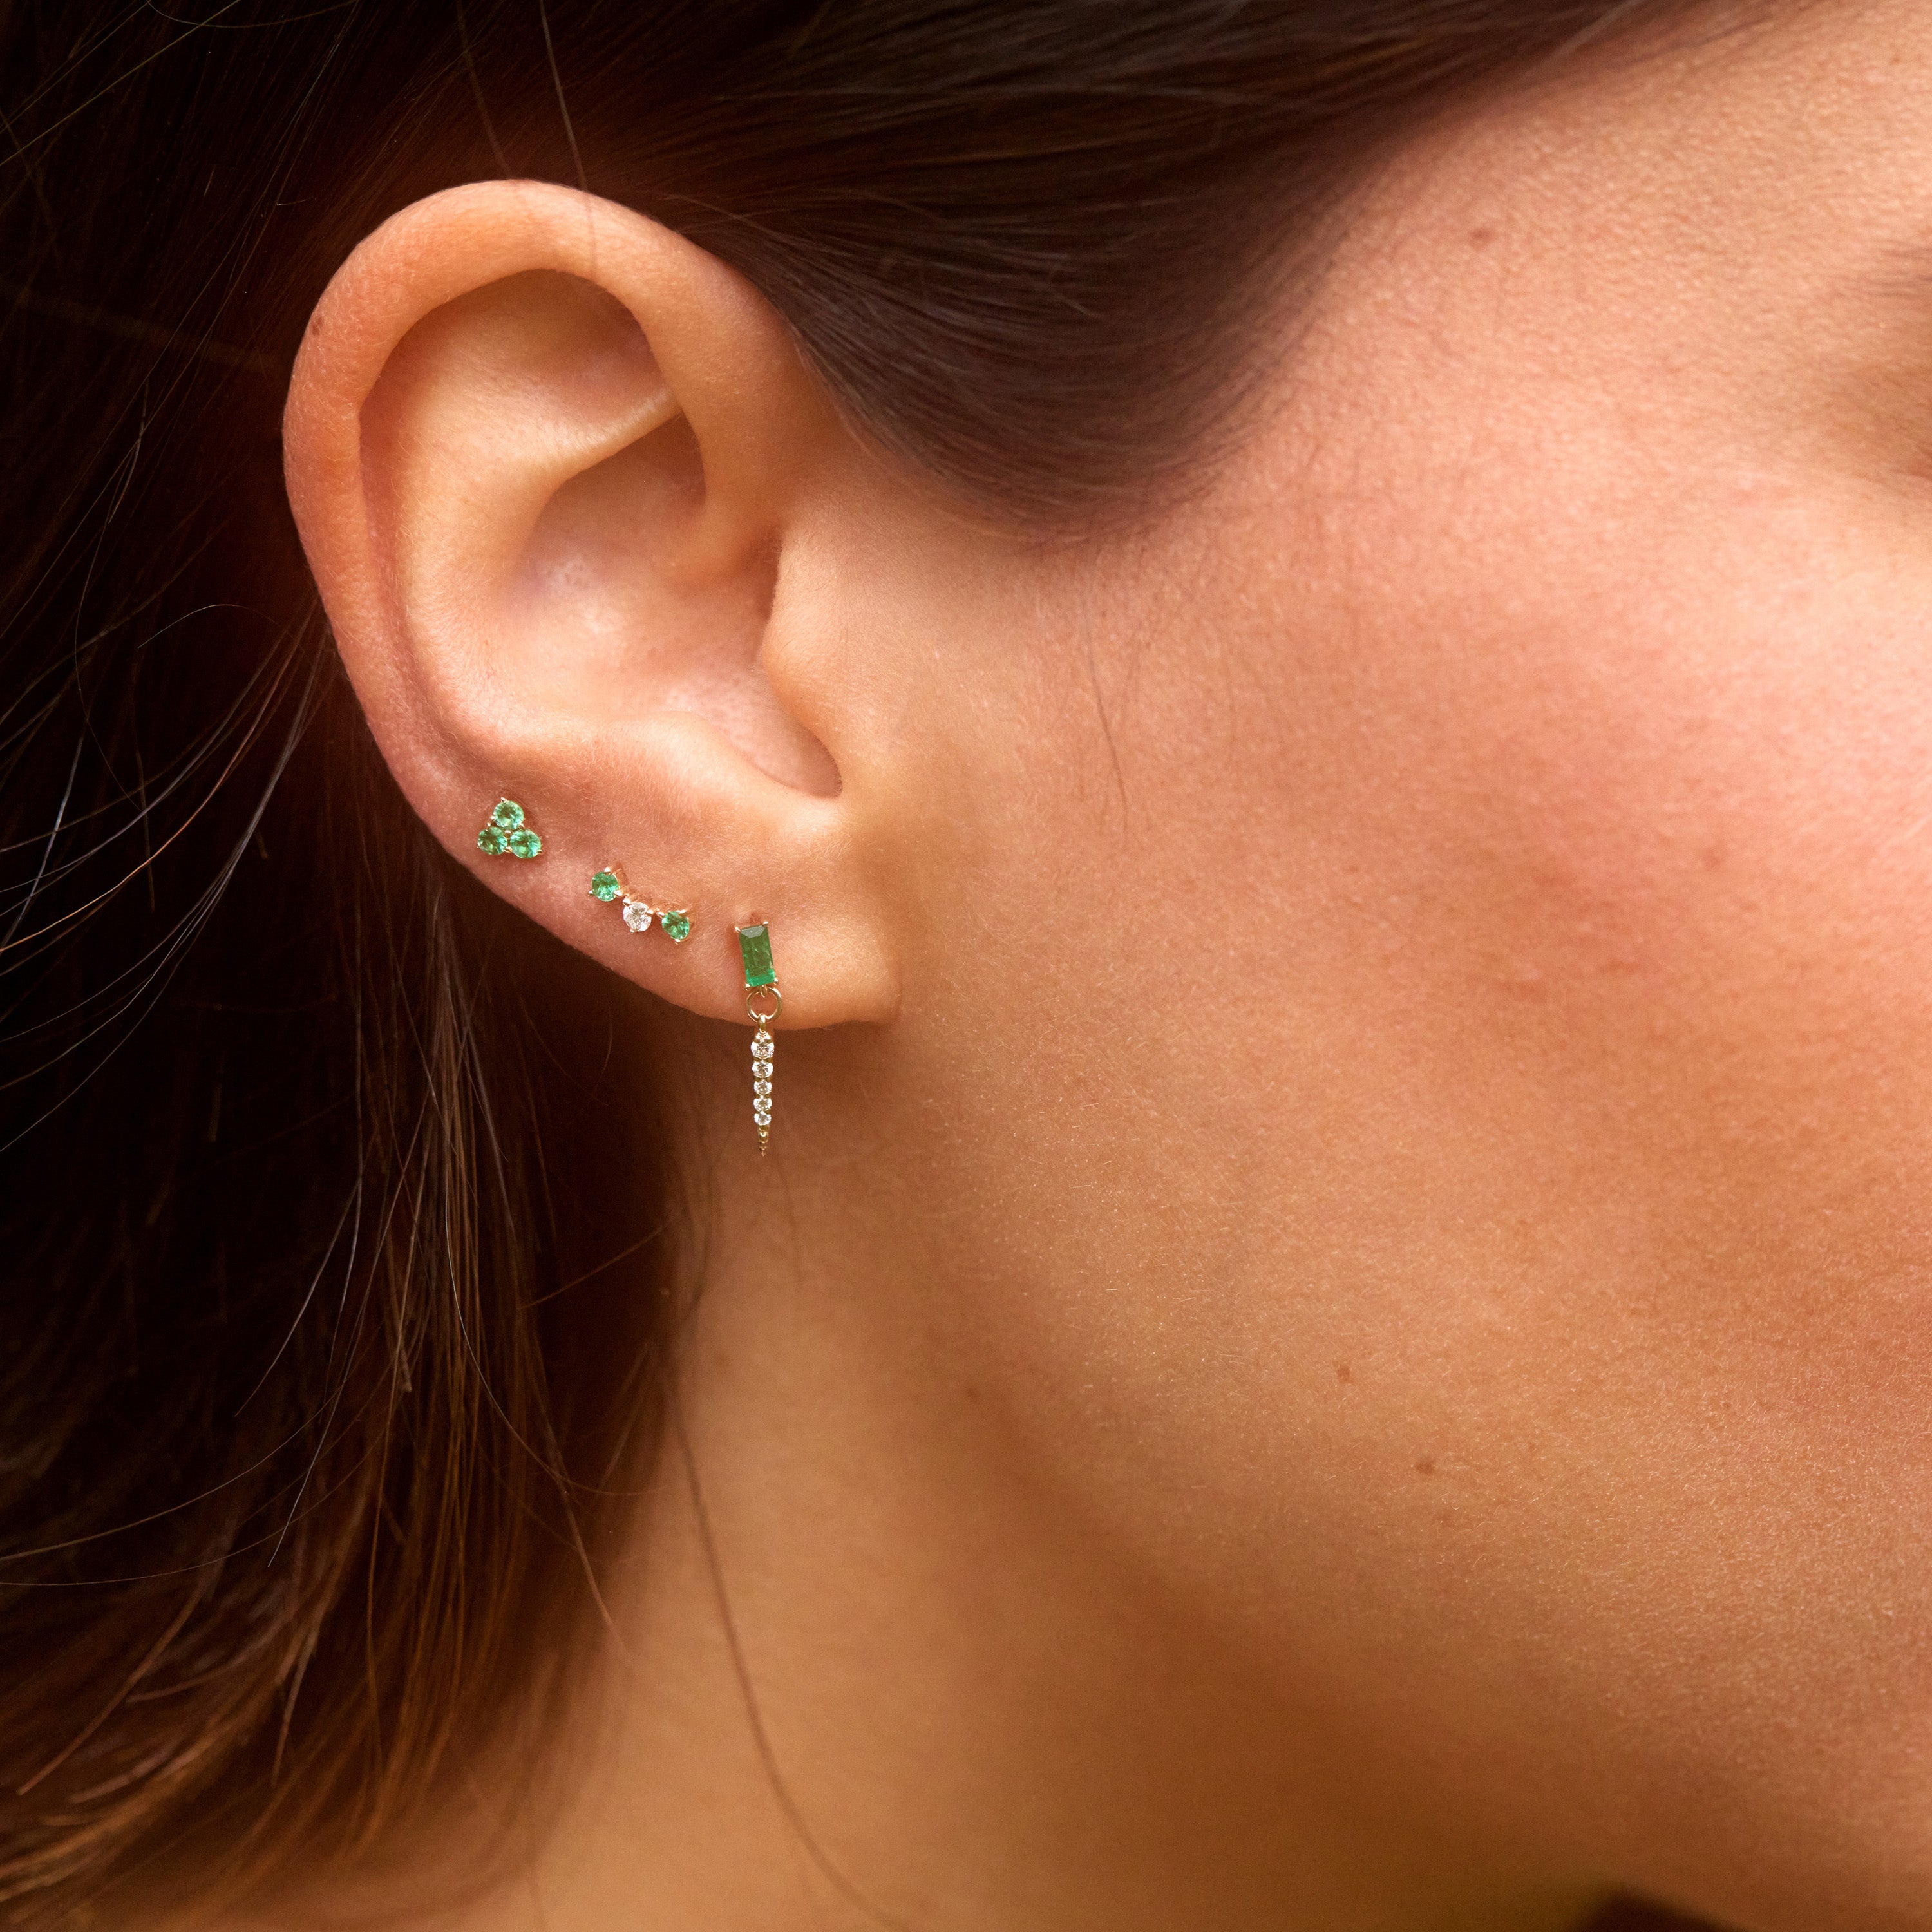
607	883
505	831
764	1002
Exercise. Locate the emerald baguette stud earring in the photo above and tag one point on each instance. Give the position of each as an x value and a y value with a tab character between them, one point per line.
607	883
505	831
764	1002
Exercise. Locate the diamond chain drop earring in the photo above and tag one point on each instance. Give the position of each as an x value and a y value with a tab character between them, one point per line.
764	1002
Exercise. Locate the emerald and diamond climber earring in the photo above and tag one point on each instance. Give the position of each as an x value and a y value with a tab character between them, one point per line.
607	883
505	831
764	1002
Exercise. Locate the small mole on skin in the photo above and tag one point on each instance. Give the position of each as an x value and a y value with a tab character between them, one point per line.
1481	238
1343	1373
1426	1467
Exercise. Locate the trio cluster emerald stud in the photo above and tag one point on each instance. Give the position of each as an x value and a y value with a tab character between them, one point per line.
608	884
505	831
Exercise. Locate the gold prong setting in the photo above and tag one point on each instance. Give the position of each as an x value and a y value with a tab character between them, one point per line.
608	884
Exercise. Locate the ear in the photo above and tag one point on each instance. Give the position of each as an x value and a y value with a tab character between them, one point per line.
562	479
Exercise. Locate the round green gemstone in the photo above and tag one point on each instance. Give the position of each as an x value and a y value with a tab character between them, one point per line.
605	885
507	816
677	924
525	843
491	842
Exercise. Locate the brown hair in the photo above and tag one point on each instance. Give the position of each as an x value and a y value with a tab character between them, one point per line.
313	1253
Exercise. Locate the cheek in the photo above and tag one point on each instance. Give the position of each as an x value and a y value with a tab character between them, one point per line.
1634	809
1625	909
1600	1232
1629	726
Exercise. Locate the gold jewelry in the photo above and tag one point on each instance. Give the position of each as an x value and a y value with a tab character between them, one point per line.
505	831
764	1002
607	883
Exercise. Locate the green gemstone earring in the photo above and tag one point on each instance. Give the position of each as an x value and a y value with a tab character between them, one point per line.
607	883
505	831
764	1002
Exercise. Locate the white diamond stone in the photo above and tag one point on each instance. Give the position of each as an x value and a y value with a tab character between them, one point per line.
761	1049
761	1087
637	916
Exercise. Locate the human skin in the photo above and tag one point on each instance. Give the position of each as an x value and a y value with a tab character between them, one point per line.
1331	1336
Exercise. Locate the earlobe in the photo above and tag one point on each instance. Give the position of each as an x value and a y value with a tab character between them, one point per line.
549	460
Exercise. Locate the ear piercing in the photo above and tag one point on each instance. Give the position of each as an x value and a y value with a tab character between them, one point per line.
607	883
505	831
764	1002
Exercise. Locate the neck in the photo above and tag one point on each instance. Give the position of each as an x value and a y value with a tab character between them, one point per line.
871	1668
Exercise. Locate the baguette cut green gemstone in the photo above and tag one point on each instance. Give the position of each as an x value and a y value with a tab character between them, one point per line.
755	943
605	885
677	924
507	815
